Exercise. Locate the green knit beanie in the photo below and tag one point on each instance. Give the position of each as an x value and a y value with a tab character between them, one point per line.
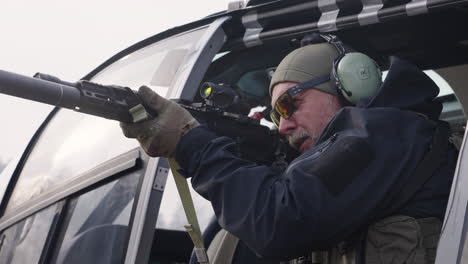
307	63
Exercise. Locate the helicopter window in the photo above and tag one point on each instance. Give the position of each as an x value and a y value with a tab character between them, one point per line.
12	150
96	223
71	145
74	143
171	215
165	74
255	83
156	65
452	109
24	241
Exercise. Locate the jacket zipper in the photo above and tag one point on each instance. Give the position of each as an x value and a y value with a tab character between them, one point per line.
326	145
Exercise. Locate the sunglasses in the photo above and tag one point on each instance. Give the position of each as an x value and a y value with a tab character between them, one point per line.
284	105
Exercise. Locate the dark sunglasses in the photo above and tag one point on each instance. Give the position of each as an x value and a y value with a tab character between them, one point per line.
284	105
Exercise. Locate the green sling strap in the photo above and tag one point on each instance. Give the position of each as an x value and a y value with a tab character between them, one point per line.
193	228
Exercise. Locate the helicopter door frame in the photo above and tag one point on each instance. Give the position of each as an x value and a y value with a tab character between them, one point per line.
453	246
150	196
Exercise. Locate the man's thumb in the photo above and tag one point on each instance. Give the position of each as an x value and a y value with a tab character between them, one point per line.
152	99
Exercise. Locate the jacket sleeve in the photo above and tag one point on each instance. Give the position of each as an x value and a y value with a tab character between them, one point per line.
283	215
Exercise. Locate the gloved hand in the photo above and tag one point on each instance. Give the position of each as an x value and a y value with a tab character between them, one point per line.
159	136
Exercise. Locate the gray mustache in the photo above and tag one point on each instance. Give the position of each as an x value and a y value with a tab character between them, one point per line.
299	137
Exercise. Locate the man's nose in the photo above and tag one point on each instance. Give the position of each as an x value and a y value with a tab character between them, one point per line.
286	126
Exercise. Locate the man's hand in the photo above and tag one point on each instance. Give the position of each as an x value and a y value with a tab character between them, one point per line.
159	136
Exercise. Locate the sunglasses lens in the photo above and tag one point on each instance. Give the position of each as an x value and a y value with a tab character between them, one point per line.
275	117
283	106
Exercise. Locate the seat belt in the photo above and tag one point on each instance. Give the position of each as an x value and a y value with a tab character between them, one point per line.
192	228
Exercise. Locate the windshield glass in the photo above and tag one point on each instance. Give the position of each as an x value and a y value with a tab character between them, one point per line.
74	143
20	123
155	66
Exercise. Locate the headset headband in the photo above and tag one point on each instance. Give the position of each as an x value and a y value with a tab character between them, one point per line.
335	41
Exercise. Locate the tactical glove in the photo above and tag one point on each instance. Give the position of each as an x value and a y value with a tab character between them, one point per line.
159	136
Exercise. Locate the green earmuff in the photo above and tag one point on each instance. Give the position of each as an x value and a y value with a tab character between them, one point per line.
356	76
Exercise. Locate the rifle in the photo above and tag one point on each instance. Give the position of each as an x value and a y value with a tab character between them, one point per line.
221	110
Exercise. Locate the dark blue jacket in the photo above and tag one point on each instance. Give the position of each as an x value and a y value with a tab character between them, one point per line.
345	182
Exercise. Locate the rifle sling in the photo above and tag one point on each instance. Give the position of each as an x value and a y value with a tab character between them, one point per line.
193	228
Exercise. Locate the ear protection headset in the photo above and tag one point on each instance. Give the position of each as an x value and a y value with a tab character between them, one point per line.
354	74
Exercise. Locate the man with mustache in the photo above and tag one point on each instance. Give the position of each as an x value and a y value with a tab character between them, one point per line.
373	179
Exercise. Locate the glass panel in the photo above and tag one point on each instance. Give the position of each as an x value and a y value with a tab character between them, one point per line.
17	132
97	223
171	213
24	241
5	175
156	66
18	128
74	143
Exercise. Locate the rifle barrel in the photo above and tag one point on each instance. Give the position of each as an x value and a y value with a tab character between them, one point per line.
39	90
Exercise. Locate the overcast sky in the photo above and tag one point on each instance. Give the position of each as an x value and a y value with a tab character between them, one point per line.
68	39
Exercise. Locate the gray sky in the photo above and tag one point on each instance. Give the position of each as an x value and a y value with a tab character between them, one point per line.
68	39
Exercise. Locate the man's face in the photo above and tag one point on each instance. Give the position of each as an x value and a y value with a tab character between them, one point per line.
314	110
